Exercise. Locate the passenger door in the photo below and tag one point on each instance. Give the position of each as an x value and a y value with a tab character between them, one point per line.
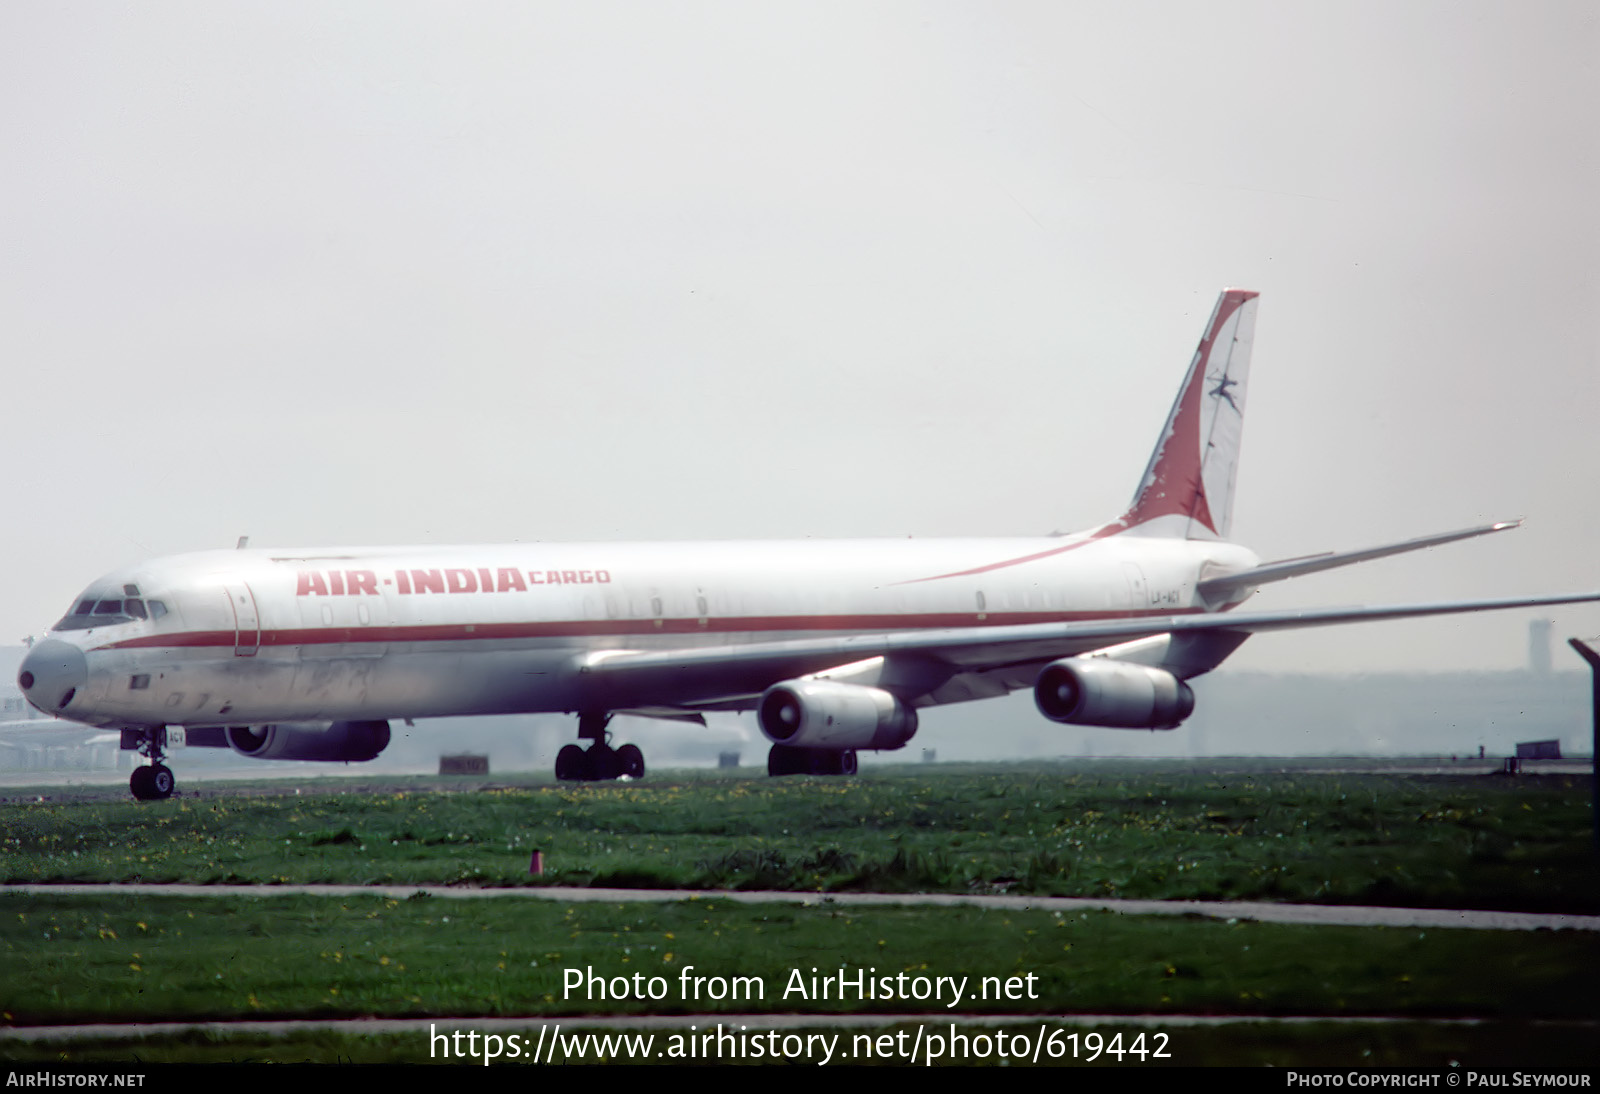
246	617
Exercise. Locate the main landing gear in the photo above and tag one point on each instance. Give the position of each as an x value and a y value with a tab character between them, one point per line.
599	761
154	781
788	760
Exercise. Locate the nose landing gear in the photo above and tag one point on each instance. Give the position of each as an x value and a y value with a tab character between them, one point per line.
154	781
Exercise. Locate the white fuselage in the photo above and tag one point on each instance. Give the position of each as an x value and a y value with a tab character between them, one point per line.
257	636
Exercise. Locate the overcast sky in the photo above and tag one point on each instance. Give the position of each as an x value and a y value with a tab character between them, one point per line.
364	273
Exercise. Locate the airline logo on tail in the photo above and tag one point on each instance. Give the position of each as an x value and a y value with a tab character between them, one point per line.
1187	489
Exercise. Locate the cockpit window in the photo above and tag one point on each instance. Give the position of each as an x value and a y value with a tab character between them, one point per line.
157	609
91	612
130	590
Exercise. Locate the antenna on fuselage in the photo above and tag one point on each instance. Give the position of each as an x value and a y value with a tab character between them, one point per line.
244	541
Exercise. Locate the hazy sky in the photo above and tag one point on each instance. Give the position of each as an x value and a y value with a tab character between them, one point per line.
361	273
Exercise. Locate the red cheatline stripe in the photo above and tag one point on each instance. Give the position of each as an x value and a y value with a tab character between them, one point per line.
478	632
1108	530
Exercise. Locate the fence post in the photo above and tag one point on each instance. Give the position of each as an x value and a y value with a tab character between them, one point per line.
1588	653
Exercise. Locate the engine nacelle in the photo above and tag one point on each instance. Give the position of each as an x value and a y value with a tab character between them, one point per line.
346	741
825	714
1096	692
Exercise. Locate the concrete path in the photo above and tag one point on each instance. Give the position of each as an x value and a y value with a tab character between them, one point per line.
1335	915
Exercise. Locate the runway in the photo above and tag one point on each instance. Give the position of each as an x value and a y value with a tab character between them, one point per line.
1326	915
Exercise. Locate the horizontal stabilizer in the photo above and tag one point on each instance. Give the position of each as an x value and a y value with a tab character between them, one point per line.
1223	588
1261	622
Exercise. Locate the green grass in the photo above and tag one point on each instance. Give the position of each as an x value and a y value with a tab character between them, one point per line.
1062	830
1084	830
83	958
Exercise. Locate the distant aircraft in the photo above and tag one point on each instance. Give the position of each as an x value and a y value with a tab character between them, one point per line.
309	654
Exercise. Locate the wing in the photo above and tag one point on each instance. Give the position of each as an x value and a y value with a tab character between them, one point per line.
952	663
1220	588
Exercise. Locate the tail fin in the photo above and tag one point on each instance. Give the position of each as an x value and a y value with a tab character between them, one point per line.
1187	489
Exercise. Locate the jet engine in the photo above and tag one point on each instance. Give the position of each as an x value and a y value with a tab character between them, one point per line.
829	715
348	741
1097	692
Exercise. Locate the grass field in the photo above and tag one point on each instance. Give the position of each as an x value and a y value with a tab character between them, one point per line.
1142	831
1482	842
72	959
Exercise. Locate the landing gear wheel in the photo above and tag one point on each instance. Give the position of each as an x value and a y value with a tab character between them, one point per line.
599	762
788	760
779	761
572	764
153	783
632	761
606	765
833	762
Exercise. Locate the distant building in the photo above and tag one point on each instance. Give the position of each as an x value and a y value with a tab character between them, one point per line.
464	763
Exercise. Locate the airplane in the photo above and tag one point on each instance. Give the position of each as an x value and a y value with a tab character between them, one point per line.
836	645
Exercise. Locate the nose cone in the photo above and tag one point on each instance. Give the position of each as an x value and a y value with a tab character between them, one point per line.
52	673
